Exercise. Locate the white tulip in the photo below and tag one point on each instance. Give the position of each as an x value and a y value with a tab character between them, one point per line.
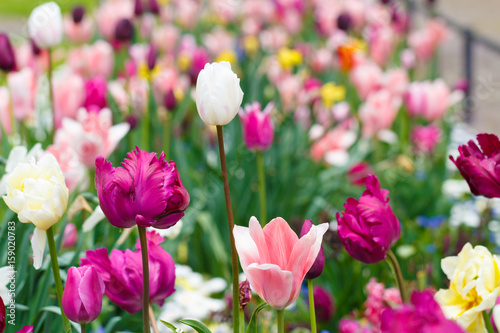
45	25
36	191
218	93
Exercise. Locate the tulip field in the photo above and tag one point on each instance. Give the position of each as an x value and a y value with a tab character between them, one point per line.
242	166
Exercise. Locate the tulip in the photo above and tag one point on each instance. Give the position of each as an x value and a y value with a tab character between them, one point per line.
258	128
358	173
368	227
274	260
218	94
424	315
245	294
26	329
425	138
124	30
170	102
324	305
2	315
70	236
77	14
317	268
344	21
7	57
22	86
145	190
122	273
151	57
95	91
430	100
478	166
82	297
45	25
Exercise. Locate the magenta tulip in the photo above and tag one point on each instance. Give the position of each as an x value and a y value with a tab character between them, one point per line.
82	297
95	92
2	315
324	304
258	128
7	57
145	190
480	167
368	226
122	273
275	260
26	329
425	138
317	268
424	315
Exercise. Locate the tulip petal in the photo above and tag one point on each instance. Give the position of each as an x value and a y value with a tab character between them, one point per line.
280	240
273	284
71	301
245	246
90	290
38	244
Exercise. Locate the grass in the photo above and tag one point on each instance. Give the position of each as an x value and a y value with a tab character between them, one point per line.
24	7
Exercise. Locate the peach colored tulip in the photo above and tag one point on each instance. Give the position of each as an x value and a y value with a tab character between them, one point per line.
22	86
275	260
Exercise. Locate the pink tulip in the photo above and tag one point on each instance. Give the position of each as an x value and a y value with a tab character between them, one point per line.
5	117
95	91
91	134
366	77
430	100
188	12
109	13
22	86
358	173
217	41
275	260
425	41
69	95
99	59
70	236
318	265
122	273
395	80
273	39
80	32
333	146
381	44
74	171
258	127
166	37
425	138
82	296
26	329
378	112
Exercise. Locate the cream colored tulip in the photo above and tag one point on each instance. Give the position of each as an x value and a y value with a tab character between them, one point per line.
474	286
36	191
45	25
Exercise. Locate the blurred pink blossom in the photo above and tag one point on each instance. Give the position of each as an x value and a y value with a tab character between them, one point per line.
80	32
69	95
166	37
424	41
366	78
425	138
5	117
217	41
378	112
381	44
22	87
109	13
429	100
75	173
395	80
333	146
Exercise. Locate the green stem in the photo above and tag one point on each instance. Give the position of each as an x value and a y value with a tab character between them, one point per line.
51	96
242	321
145	279
262	189
84	328
167	129
230	219
281	320
487	322
145	130
57	277
393	262
311	306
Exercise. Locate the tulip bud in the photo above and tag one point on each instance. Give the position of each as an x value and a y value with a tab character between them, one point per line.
358	173
82	296
462	85
218	93
26	329
368	226
138	8
45	25
7	58
344	21
70	236
317	268
258	128
170	102
151	57
124	30
77	14
153	7
132	121
245	294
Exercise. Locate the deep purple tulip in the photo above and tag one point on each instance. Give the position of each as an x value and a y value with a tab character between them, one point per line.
154	7
481	167
124	30
151	57
82	296
170	101
258	127
34	48
122	273
424	315
7	57
138	8
317	268
368	226
77	14
2	315
324	305
96	90
145	190
344	21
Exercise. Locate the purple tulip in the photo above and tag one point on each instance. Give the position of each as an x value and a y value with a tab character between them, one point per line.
317	268
124	30
170	102
199	58
138	8
96	90
154	7
480	167
324	306
122	273
151	57
145	190
77	14
368	226
424	315
344	21
2	315
82	297
7	58
245	293
258	128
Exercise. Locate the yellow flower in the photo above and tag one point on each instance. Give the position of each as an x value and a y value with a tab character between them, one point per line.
289	58
331	93
474	286
251	45
229	56
183	62
144	73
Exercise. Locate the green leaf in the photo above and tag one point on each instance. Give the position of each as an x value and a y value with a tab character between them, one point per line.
252	325
111	324
57	310
198	326
172	327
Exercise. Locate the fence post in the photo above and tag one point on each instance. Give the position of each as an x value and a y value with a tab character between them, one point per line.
468	66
